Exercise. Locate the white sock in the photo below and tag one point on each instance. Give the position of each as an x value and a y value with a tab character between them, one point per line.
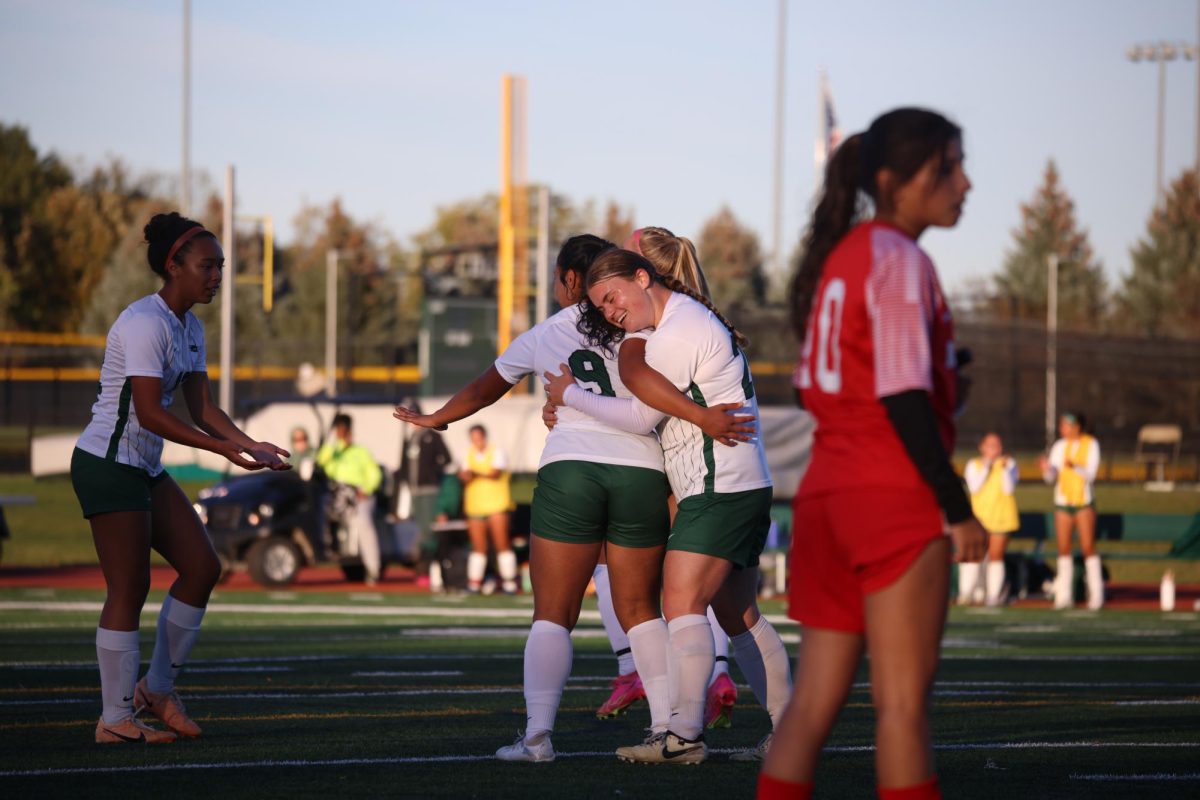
649	642
691	662
720	648
763	659
436	583
1064	583
968	579
506	562
1095	582
612	626
476	566
178	627
118	656
994	582
548	657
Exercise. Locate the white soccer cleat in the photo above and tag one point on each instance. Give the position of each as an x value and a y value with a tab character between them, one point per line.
665	748
756	753
519	750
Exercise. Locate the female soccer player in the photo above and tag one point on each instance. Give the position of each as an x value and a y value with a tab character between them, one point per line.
486	499
675	257
723	494
155	346
1071	469
870	561
991	478
596	484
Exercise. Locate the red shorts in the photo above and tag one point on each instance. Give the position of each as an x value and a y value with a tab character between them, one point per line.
846	545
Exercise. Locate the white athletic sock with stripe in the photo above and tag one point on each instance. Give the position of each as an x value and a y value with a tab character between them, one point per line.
691	662
548	655
720	648
608	615
118	656
476	566
968	579
763	659
649	642
994	581
178	627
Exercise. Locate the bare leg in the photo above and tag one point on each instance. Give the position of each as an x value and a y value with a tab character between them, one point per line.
178	535
560	573
1063	523
1085	521
122	540
635	577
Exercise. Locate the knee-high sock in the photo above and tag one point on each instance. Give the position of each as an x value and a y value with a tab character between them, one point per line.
117	654
968	579
178	627
548	655
649	642
763	659
1064	582
476	566
994	581
691	662
1095	581
608	615
506	562
720	648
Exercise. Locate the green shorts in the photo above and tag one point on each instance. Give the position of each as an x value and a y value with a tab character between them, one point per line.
1074	509
104	486
579	502
731	526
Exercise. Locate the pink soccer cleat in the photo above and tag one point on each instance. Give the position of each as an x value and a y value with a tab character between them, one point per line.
718	710
626	690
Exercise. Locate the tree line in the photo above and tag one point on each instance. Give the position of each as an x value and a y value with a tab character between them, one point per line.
72	254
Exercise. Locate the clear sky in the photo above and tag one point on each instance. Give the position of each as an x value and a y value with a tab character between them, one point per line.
663	106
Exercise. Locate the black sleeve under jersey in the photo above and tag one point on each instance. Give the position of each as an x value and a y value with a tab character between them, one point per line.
912	416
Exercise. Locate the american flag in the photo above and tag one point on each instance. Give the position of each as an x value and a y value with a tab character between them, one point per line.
829	136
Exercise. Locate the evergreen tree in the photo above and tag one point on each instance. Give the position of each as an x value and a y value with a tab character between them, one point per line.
732	260
1161	294
1048	226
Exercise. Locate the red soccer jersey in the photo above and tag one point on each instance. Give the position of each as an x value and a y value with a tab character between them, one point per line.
879	325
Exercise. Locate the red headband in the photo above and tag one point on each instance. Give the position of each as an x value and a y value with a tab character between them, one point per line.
183	239
635	241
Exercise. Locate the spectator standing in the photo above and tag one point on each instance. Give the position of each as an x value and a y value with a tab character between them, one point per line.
353	466
1071	468
486	501
992	479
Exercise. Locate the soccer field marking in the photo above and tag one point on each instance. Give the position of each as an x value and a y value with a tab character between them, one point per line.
419	692
460	759
288	717
1152	776
454	673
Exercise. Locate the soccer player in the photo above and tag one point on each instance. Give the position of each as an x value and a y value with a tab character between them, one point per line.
155	346
596	484
870	559
486	500
674	256
724	494
991	478
1071	469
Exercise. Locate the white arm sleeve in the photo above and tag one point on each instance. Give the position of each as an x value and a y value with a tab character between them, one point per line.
1050	475
975	475
626	414
1088	471
1010	475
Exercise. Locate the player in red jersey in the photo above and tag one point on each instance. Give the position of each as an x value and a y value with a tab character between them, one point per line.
870	559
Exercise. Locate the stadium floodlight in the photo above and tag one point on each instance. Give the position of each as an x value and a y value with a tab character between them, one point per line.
1160	54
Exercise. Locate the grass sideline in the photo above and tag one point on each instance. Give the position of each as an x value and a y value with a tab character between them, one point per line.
361	695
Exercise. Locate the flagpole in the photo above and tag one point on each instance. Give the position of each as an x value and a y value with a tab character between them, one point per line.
777	261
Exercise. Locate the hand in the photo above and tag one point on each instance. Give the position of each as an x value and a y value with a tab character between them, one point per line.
233	452
1043	464
557	385
970	540
414	417
466	475
721	424
271	455
549	415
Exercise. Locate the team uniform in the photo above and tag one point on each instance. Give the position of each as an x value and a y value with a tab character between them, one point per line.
485	496
1072	494
991	486
116	462
879	326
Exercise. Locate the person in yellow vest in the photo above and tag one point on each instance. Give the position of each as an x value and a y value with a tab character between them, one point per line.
991	478
352	465
1071	468
486	501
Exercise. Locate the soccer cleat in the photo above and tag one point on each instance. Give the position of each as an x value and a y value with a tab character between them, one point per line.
756	753
167	707
541	752
665	748
718	708
131	731
626	690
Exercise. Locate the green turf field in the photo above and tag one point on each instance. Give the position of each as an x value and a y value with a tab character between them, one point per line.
370	695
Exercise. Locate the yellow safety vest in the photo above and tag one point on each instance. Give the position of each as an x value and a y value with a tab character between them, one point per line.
485	496
1071	484
995	508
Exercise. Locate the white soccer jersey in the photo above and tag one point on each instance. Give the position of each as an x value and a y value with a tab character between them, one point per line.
697	353
147	340
576	436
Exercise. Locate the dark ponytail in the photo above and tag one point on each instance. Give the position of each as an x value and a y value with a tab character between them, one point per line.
162	231
902	141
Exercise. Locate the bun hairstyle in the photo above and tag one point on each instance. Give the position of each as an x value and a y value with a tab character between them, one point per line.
578	253
901	141
673	256
617	263
162	232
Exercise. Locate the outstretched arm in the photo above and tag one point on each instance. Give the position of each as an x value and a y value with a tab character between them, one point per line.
479	393
209	417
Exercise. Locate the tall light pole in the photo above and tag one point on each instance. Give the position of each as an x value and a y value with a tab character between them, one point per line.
229	245
1051	347
1160	54
185	175
777	265
331	320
